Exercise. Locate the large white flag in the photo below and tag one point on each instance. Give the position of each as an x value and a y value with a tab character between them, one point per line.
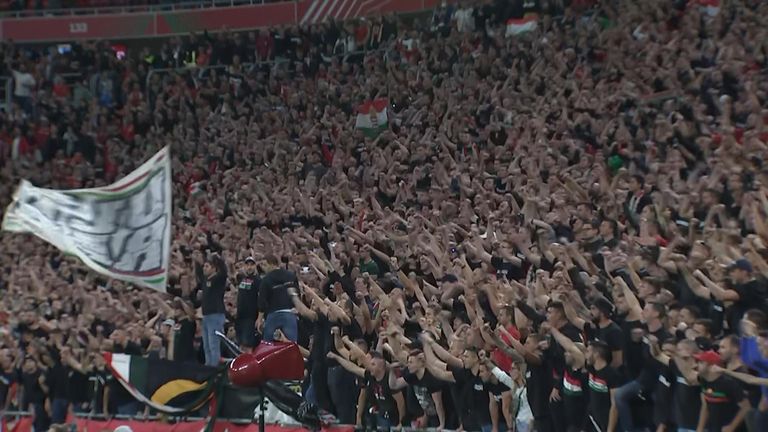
122	230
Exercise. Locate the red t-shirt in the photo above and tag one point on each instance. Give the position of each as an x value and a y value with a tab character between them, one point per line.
264	44
61	90
502	360
361	32
128	132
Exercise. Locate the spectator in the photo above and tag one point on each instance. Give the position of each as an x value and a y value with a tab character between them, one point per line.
589	174
212	283
248	317
274	300
724	404
24	87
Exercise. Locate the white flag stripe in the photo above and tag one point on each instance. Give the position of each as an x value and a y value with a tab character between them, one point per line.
121	364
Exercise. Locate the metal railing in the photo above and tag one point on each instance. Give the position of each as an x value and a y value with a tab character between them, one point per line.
128	8
17	415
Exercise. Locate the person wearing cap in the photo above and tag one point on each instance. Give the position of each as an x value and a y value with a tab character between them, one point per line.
247	304
743	291
724	404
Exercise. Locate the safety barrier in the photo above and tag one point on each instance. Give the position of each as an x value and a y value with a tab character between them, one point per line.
22	422
16	421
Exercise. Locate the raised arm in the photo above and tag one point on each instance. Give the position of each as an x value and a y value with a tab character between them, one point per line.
436	367
635	310
569	346
348	365
717	291
396	383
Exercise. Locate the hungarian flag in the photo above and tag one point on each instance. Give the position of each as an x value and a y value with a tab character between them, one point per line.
522	25
196	189
710	7
166	386
372	117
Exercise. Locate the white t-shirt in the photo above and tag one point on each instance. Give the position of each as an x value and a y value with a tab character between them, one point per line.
464	20
24	83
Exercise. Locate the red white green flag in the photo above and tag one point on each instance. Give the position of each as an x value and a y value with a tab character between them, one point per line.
522	25
372	117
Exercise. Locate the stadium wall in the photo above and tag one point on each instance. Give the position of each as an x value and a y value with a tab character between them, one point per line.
162	23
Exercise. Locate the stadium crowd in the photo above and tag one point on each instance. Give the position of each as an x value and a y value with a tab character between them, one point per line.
560	230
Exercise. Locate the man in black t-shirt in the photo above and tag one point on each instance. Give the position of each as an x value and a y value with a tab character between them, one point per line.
574	382
602	383
556	318
247	304
653	315
275	303
57	379
604	329
378	398
182	335
724	405
471	395
427	389
750	293
35	391
686	395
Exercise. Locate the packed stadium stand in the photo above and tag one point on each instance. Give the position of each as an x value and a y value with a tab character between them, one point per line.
528	215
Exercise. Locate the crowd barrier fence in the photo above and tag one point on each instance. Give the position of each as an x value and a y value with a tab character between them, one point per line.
21	421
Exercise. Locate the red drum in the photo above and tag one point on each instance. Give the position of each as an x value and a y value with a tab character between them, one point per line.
268	361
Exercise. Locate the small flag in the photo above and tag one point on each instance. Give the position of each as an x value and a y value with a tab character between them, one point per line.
196	189
522	25
372	117
710	7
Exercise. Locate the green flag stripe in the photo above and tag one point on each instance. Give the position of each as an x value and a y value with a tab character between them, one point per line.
138	374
